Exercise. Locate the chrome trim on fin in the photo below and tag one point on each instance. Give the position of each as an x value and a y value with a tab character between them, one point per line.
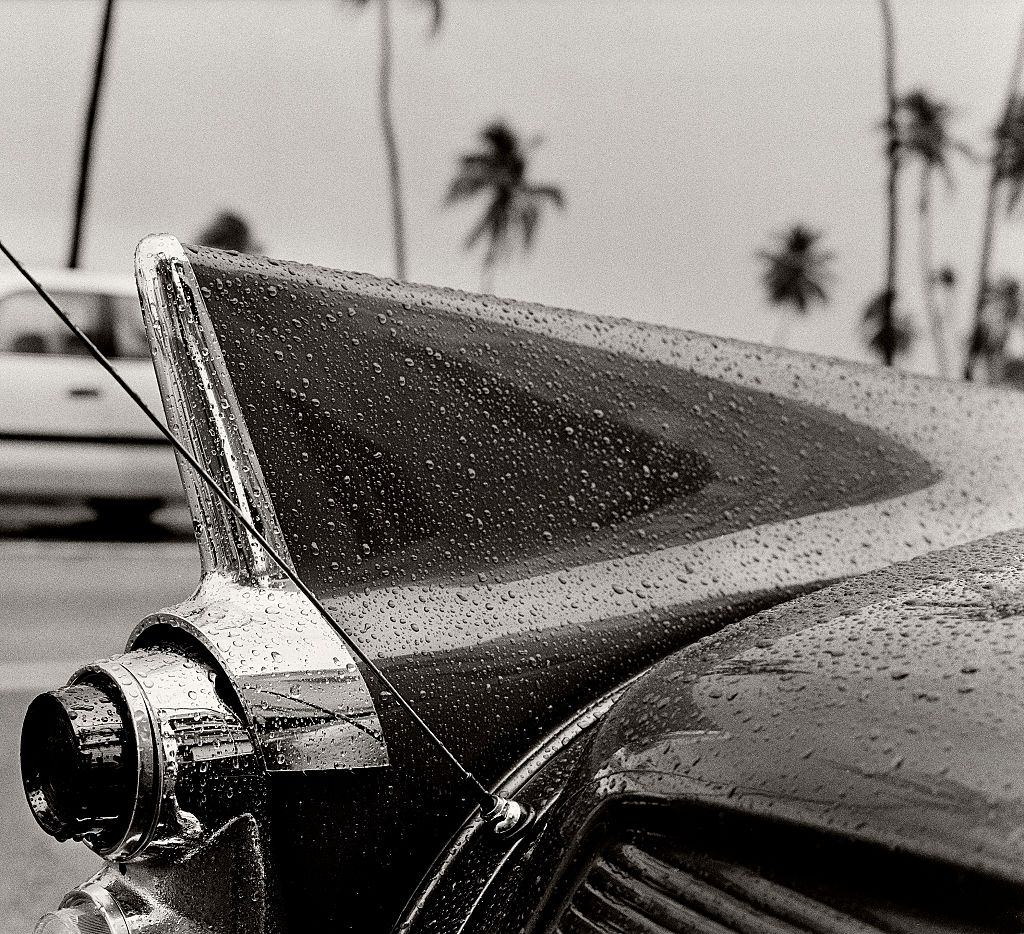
306	703
203	412
304	699
179	725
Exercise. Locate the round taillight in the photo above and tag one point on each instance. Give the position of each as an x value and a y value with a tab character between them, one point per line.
87	910
121	756
78	761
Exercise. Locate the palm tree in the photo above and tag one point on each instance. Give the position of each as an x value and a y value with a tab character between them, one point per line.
88	134
923	135
1006	164
890	336
946	280
499	170
796	273
882	309
1001	311
385	74
229	231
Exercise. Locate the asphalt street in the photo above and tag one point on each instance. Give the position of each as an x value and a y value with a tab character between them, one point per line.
70	591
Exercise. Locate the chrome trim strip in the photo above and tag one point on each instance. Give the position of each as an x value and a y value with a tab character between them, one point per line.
510	785
305	701
203	412
179	724
148	759
558	739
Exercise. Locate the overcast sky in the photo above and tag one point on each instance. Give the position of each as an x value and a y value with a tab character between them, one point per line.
684	134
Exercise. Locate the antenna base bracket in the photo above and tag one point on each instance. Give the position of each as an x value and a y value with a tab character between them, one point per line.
507	819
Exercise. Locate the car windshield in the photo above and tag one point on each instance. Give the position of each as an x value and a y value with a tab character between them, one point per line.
113	322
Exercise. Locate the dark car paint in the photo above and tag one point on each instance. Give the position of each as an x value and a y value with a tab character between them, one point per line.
766	474
439	445
889	708
791	732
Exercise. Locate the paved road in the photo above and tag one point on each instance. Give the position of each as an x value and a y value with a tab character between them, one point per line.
66	598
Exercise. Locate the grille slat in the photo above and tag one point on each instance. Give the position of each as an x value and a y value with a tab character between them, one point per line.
668	913
783	902
738	916
628	889
618	915
574	922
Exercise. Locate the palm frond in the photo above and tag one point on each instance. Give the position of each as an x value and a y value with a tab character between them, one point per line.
465	186
436	10
882	337
797	272
529	215
499	169
923	132
487	224
552	193
1009	153
1003	297
1015	188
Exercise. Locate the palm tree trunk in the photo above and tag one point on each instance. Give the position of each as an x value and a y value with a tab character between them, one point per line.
888	330
987	231
88	133
487	279
935	319
390	140
988	227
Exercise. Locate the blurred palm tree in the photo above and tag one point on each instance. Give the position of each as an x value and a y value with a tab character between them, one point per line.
229	231
946	280
1006	172
1001	312
796	273
881	311
88	135
385	73
1010	164
499	171
890	336
923	135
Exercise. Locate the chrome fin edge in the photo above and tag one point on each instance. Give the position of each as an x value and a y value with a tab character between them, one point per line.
305	701
203	413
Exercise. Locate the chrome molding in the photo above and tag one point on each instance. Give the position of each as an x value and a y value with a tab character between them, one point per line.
511	784
203	413
178	722
305	701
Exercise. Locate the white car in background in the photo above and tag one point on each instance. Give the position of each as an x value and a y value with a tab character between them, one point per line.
67	432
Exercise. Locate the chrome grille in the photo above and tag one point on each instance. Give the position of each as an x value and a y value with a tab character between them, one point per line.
628	889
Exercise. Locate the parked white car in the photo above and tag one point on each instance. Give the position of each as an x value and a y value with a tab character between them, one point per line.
67	432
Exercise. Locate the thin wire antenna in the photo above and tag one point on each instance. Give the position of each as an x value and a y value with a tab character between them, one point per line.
492	805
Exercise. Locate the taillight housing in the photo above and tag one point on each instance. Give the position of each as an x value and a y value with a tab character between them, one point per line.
113	758
78	755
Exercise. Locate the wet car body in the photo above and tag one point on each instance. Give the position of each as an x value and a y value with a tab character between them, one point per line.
554	535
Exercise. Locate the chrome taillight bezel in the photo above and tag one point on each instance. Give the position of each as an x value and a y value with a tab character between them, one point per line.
176	720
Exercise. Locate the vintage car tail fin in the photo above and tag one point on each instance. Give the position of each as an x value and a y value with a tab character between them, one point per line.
411	434
202	411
